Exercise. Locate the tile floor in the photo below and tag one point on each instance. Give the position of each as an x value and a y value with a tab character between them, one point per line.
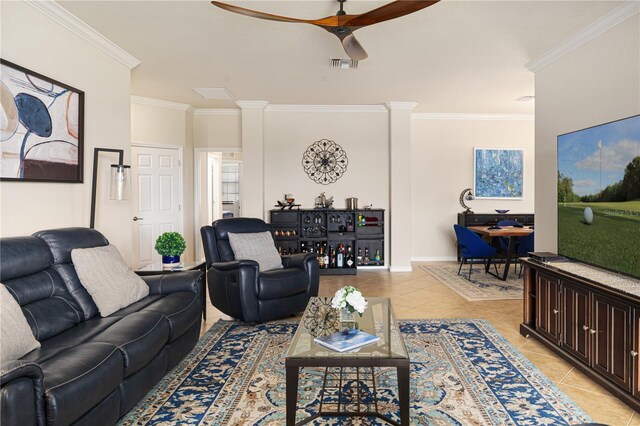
417	295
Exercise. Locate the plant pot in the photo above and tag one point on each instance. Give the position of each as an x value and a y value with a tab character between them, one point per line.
170	260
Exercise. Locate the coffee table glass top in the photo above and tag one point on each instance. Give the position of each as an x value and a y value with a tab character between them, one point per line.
320	319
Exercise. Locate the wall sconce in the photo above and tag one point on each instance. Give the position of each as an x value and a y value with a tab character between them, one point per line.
119	181
468	197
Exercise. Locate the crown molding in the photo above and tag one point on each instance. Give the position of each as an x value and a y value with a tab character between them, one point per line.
191	110
605	23
326	108
465	116
159	103
400	105
59	14
252	104
214	111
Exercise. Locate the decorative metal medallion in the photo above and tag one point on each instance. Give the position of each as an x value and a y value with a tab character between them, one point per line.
321	319
325	161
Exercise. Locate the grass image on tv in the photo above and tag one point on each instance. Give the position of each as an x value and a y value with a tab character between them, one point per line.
599	195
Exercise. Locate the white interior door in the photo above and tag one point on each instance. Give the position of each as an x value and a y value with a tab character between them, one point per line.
157	198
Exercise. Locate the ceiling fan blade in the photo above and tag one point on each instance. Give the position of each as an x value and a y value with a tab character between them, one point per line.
353	48
257	14
389	11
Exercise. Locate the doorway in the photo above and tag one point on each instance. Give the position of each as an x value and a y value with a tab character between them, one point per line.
157	198
218	187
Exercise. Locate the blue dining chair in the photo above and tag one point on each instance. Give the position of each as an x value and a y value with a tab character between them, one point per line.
472	247
525	245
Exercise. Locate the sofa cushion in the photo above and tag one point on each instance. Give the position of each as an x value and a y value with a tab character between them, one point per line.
106	276
139	336
81	333
281	283
16	338
63	240
79	378
137	306
23	256
258	246
181	310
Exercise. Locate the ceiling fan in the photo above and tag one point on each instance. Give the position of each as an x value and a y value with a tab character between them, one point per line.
343	25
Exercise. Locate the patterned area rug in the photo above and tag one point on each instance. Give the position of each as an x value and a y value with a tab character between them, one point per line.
481	287
462	373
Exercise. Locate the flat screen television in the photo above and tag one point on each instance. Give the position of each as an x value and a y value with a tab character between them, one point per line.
599	195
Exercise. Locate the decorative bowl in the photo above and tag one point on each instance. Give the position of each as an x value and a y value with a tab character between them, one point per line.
502	211
290	200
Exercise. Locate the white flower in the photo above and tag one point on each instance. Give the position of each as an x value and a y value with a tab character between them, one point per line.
351	298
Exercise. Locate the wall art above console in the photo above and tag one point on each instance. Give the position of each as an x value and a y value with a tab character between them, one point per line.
325	161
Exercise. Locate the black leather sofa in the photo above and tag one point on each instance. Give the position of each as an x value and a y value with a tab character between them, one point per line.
240	290
90	370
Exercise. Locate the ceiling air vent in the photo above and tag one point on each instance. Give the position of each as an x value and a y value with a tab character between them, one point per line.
343	64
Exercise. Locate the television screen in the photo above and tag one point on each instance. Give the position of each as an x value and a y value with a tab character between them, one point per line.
599	195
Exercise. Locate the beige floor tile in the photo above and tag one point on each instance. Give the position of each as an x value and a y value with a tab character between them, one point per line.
579	380
553	367
602	409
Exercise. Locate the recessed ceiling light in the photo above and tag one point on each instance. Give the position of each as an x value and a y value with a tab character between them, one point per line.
219	93
526	99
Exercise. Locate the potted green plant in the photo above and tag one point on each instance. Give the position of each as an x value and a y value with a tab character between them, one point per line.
170	245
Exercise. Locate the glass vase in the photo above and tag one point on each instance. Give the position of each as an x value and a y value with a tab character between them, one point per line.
348	321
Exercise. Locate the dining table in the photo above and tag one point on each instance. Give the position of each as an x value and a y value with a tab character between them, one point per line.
510	232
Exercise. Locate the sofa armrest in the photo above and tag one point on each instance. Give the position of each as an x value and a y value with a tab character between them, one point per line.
21	394
234	265
174	282
233	288
297	260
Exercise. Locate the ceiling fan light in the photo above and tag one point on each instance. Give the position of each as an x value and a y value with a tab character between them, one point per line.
343	63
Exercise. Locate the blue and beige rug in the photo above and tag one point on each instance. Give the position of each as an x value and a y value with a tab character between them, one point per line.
482	286
462	373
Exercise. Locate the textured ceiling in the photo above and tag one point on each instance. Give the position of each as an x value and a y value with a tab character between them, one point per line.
453	57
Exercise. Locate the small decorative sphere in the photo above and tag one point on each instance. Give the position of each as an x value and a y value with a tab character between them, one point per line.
588	216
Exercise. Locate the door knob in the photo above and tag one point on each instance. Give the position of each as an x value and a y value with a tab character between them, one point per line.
136	218
585	327
555	311
634	353
592	331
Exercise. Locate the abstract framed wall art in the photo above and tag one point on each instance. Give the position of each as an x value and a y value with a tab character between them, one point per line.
498	173
41	127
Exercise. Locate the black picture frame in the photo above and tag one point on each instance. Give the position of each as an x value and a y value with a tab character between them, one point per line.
44	137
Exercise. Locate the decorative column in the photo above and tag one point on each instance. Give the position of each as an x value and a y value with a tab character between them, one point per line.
252	192
400	185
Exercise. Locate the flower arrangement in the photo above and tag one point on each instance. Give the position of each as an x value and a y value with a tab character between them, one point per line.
170	244
349	298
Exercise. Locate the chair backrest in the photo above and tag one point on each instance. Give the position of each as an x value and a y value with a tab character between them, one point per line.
215	238
469	242
508	222
525	245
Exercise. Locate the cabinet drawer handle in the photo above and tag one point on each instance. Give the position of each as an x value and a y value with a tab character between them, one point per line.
585	327
592	331
634	353
555	311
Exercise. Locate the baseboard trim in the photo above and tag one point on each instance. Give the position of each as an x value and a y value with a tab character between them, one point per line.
434	259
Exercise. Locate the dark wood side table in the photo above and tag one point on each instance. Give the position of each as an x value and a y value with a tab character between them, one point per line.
156	268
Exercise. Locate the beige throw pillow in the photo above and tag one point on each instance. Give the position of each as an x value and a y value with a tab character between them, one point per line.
16	337
110	282
257	246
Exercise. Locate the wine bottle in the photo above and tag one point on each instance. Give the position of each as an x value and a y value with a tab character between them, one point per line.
365	259
340	257
325	259
332	257
350	262
320	259
377	256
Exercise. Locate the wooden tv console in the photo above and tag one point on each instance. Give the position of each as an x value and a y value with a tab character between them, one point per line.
589	317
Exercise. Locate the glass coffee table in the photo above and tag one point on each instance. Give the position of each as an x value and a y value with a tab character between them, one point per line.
349	387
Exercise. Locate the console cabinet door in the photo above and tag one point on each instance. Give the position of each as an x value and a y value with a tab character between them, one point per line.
635	358
611	341
548	307
576	321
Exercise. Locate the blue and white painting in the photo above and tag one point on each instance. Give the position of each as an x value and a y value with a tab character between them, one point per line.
40	127
498	173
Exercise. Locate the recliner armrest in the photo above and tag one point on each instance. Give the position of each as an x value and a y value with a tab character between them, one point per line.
233	265
174	282
297	260
22	395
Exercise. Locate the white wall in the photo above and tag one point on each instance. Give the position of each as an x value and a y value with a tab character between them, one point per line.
217	130
36	42
166	125
442	166
596	83
363	135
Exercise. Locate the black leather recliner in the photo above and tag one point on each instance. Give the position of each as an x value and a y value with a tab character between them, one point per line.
238	289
